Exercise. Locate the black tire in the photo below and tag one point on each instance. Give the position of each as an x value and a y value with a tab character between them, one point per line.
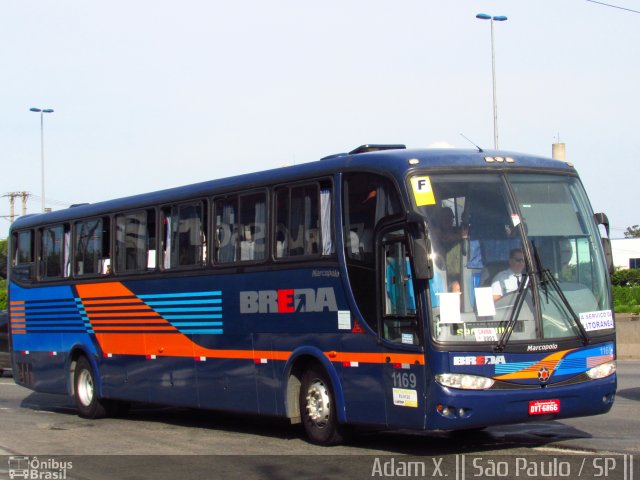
87	401
116	408
318	409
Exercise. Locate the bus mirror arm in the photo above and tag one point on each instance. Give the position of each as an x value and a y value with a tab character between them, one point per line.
421	246
601	219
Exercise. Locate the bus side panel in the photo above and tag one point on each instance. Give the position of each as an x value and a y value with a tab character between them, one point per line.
45	325
227	383
267	386
364	389
125	378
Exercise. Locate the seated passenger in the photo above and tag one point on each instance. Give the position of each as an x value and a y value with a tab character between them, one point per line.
509	280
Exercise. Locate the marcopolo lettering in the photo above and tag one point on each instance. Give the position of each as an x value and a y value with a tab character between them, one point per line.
298	300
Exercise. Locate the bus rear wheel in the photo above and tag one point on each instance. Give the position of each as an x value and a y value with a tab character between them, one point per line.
86	397
318	409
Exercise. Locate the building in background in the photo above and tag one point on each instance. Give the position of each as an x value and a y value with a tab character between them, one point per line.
626	252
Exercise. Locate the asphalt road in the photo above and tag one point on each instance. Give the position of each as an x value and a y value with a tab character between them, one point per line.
152	442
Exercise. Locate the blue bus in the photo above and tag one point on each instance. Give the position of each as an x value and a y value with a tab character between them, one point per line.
389	287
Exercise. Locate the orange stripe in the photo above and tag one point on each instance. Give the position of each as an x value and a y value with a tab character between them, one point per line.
100	328
111	289
177	345
111	305
96	303
117	307
98	316
375	357
131	320
550	362
17	302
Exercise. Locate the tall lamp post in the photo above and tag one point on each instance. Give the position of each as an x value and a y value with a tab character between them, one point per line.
499	18
42	111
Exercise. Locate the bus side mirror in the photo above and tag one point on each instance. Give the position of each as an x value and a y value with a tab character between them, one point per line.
601	219
608	254
421	248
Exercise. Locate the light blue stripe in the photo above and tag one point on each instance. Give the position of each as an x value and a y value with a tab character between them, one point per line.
196	324
188	294
211	332
185	302
51	312
187	310
48	329
44	325
513	367
65	304
191	317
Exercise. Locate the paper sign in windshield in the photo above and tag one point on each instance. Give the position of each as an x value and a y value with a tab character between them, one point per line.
422	191
484	302
600	320
449	307
486	334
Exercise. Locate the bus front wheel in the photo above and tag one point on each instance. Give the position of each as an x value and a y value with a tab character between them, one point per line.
318	409
89	406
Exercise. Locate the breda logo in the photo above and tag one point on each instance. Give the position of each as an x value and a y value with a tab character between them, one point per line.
292	300
480	360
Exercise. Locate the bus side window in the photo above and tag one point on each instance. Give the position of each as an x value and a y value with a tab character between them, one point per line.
252	226
135	239
399	306
92	252
225	224
22	258
184	235
55	250
303	221
368	198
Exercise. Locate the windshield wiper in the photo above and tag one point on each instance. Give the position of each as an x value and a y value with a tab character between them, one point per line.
515	313
547	278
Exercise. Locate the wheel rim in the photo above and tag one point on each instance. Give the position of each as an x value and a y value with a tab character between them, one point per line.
85	388
318	404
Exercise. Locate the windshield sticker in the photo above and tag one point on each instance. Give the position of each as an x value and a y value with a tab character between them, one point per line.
486	335
344	320
484	302
422	191
449	307
403	397
600	320
515	219
407	338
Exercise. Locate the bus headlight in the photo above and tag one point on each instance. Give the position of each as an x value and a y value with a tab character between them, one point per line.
464	382
602	371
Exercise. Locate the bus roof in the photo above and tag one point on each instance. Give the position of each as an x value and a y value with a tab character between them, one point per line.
395	161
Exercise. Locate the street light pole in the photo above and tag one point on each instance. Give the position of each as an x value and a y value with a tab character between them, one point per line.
42	111
499	18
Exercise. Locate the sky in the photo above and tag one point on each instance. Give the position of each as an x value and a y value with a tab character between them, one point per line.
154	94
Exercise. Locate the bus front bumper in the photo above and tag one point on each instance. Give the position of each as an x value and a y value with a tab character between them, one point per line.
455	409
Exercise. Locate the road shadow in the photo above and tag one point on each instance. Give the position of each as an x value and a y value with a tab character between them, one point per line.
629	393
492	439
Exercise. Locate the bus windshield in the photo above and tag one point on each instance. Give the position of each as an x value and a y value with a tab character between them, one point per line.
516	250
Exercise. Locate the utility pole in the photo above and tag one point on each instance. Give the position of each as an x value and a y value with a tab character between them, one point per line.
12	201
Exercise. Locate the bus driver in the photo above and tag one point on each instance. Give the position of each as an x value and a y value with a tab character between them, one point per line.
509	280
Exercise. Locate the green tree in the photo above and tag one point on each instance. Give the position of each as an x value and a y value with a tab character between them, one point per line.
3	294
632	232
3	258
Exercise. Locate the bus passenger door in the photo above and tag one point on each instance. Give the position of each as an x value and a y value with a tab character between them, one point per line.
401	331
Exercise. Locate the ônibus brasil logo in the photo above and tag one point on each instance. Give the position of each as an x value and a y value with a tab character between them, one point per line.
38	469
